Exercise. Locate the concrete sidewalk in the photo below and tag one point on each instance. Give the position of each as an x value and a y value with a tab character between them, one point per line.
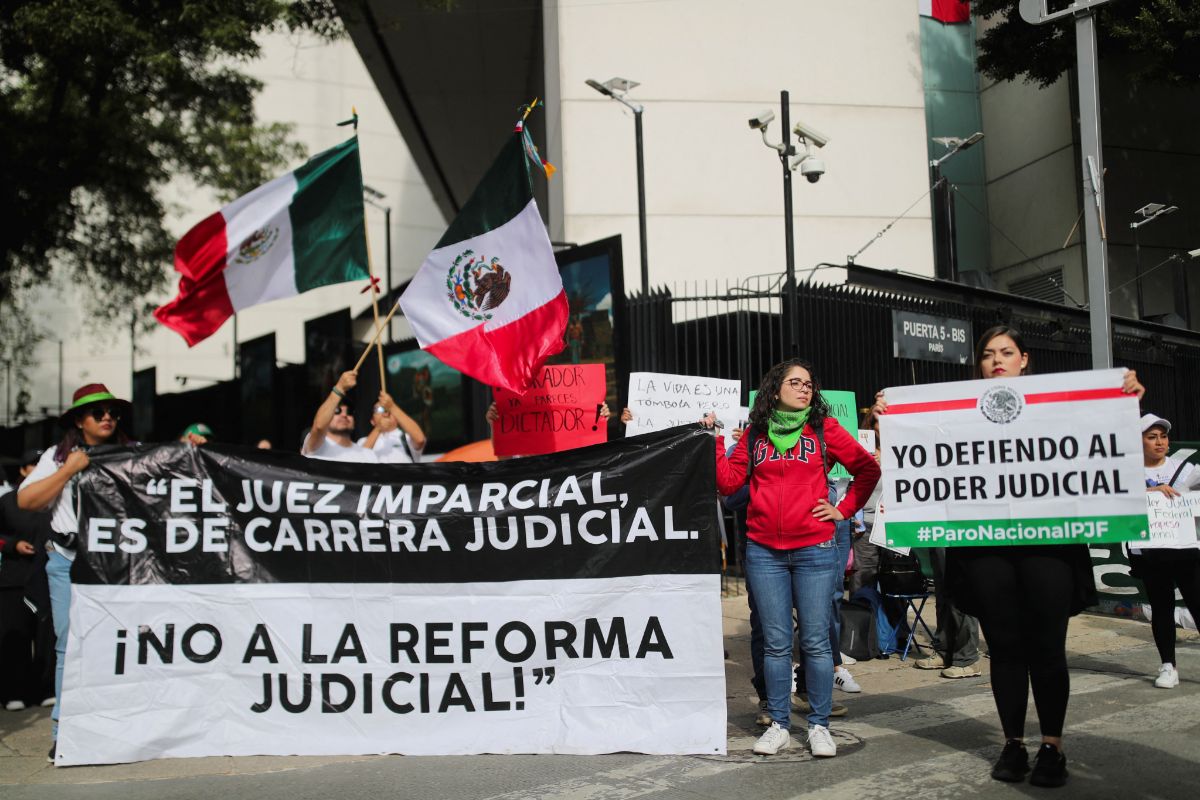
909	732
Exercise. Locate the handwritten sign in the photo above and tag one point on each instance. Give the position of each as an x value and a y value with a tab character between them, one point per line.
660	401
560	412
1172	520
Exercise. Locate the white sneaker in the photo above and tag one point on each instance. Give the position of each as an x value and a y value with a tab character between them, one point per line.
49	702
820	742
1168	677
843	680
773	740
17	705
849	661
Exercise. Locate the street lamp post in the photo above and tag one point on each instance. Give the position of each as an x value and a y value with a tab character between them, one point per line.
945	254
372	197
616	89
1148	213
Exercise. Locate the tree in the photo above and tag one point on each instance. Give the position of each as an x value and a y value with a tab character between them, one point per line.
102	102
1163	36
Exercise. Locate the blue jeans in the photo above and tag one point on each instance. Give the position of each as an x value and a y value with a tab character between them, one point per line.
780	581
845	541
58	572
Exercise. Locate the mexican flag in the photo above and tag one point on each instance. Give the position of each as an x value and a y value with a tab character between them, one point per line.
300	231
488	300
945	10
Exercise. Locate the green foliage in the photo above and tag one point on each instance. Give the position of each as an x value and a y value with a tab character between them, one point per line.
102	102
1162	36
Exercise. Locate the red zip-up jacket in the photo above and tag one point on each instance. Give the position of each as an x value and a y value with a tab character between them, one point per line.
784	488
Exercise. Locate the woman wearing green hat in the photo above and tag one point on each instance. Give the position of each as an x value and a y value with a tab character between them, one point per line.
91	420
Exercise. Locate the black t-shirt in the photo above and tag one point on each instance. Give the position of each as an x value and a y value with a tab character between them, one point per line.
19	525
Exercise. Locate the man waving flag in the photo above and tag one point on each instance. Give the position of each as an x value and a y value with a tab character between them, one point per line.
488	300
302	230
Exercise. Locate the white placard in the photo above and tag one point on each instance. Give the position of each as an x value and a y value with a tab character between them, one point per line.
879	530
1043	459
1172	520
660	401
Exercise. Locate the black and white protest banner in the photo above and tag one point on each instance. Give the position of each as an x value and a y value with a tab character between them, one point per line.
232	602
1043	459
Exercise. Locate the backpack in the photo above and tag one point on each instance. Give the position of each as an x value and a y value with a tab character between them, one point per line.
860	637
900	574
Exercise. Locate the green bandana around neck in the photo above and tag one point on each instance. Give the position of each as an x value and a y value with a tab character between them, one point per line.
785	427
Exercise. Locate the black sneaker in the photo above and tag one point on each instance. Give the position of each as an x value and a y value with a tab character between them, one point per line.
1013	763
1049	767
50	755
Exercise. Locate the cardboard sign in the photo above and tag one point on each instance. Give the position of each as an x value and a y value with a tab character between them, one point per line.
560	412
660	401
1172	520
1042	459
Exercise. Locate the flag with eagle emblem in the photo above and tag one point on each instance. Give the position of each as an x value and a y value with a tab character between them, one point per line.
489	300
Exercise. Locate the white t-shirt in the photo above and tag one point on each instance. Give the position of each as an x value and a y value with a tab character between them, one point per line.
332	451
390	450
64	517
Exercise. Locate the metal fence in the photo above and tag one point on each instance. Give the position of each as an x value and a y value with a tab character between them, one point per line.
735	330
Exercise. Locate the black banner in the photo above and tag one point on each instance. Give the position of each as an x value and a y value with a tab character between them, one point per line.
174	514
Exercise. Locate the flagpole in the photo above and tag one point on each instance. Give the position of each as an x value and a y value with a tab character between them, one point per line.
375	339
374	305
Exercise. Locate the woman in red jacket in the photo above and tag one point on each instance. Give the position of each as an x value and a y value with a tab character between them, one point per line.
791	555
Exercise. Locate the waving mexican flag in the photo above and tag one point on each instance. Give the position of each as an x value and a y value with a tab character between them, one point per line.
302	230
489	300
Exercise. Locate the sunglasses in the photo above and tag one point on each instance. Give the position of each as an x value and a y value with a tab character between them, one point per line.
99	412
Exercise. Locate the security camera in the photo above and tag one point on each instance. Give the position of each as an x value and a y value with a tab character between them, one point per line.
762	119
811	134
812	168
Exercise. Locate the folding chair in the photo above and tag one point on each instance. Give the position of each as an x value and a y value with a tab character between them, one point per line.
910	601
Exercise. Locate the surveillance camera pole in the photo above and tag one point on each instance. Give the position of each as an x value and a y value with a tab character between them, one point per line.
791	301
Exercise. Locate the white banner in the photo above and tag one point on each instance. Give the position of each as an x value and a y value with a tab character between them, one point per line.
560	666
1045	459
660	401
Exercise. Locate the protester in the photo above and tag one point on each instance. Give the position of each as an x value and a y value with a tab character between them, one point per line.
91	420
331	437
866	555
26	674
397	438
791	556
1023	597
1162	570
196	433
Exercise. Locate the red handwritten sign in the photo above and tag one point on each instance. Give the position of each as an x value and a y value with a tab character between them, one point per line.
560	412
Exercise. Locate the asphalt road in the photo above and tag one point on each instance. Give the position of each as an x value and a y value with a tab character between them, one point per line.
909	734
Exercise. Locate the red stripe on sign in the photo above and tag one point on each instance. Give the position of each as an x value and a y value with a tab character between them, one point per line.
1070	397
939	405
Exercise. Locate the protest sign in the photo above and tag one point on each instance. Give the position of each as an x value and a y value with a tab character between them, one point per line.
1172	520
229	601
559	412
1045	459
879	535
660	401
842	408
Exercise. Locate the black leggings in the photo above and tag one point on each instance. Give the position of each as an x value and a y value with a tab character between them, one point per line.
1161	571
1023	596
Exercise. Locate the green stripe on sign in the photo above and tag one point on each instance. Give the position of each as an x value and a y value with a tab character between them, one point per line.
502	194
329	236
1048	530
